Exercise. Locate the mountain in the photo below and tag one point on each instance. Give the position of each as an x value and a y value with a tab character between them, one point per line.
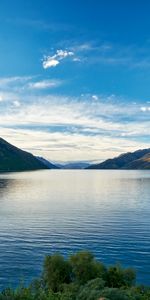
14	159
75	165
47	163
141	163
139	159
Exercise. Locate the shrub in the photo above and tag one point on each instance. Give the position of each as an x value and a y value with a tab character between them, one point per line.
118	277
56	271
85	267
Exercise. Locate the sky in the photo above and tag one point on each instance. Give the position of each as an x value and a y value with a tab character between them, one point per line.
75	77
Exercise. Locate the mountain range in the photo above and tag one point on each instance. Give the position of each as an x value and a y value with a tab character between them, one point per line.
13	159
75	165
138	160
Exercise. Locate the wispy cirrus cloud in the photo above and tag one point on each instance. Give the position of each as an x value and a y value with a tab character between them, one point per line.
74	128
66	127
45	84
22	83
145	108
78	52
114	54
6	82
101	52
1	98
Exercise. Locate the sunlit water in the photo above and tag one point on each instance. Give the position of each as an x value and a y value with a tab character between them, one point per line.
107	212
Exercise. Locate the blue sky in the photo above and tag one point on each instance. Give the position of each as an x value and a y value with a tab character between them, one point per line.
75	77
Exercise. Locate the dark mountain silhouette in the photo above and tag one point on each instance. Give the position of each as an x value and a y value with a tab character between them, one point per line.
14	159
139	159
141	163
47	163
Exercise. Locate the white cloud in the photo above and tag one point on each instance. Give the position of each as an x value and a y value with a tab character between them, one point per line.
64	53
50	62
1	98
53	61
145	108
95	97
77	59
66	128
13	86
16	103
63	146
8	97
9	81
14	83
44	84
106	53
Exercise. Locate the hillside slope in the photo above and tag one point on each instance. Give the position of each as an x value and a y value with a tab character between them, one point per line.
142	163
14	159
132	160
47	163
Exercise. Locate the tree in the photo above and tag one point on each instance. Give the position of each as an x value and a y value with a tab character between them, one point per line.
117	277
85	267
56	272
91	290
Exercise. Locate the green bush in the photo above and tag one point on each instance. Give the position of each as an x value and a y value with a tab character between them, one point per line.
80	277
118	277
91	290
85	267
56	271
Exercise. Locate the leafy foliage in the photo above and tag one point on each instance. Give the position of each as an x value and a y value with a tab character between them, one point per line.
85	267
118	277
56	272
80	277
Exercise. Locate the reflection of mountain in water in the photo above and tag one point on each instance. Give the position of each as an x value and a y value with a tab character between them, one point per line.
5	185
9	187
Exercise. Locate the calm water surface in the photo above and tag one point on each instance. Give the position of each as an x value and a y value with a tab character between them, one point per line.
107	212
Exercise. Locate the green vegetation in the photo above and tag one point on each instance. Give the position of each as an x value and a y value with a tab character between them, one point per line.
80	277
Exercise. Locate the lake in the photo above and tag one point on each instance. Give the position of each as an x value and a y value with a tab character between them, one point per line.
107	212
